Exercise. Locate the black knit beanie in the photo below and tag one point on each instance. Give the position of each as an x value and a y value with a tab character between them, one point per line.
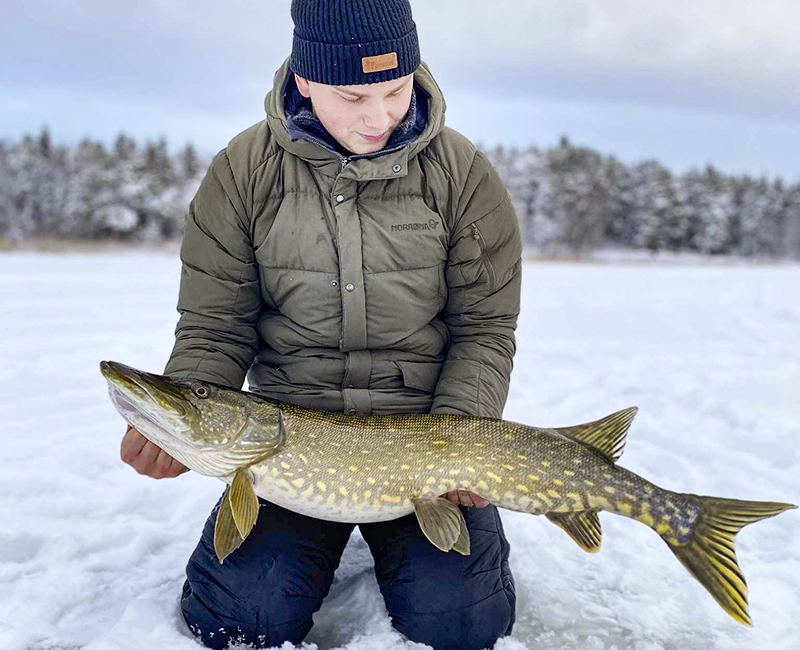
349	42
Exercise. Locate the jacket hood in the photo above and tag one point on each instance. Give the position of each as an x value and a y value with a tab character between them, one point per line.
300	133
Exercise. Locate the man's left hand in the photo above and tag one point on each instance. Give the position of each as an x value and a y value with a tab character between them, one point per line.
464	498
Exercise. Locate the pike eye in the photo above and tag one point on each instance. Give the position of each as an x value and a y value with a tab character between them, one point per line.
201	391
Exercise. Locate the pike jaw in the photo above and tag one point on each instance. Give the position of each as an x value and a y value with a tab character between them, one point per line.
210	429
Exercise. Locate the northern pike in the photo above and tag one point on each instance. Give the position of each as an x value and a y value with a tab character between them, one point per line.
368	468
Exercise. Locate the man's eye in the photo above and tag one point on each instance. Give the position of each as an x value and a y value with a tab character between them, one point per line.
352	101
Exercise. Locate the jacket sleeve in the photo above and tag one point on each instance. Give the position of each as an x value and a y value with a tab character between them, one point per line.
219	300
483	276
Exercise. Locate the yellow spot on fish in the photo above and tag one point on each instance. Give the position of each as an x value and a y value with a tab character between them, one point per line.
343	491
308	491
558	482
286	465
404	467
545	463
331	470
298	482
521	457
479	457
609	489
410	444
554	494
494	477
365	451
275	471
431	466
482	485
367	494
662	528
479	444
438	442
624	508
589	483
370	480
331	499
383	467
470	469
649	489
303	458
454	454
312	435
508	467
455	471
569	473
322	486
353	468
430	480
608	475
533	477
401	489
522	488
390	499
646	518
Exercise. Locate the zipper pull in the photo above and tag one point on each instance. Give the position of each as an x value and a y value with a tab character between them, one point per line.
344	163
475	233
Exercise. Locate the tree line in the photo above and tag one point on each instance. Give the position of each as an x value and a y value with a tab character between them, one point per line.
569	200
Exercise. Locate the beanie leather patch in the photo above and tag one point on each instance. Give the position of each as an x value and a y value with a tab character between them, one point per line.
379	63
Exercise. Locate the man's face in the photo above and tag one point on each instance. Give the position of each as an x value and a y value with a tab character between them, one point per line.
351	114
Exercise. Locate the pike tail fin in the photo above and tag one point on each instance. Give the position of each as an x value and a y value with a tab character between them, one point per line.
710	555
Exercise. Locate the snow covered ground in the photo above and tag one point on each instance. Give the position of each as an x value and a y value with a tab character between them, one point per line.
92	554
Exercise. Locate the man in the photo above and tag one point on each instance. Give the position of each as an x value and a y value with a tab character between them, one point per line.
350	253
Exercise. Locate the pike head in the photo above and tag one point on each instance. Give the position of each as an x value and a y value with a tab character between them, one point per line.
209	428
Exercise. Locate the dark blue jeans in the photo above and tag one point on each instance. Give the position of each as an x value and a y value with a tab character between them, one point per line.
266	591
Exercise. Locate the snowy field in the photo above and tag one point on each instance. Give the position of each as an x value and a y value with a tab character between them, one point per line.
92	554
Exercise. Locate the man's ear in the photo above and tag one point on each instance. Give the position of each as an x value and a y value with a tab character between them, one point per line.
302	85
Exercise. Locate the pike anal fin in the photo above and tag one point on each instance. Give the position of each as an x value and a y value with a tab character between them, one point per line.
583	527
443	524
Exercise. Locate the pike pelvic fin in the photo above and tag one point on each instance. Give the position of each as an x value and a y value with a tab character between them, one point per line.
583	527
710	555
605	436
237	515
443	524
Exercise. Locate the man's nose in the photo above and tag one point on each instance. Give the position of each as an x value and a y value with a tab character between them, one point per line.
378	121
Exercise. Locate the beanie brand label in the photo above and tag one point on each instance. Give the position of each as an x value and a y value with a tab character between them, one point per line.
379	63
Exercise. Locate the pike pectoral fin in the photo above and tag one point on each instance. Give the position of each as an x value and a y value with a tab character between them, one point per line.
244	502
605	436
226	536
443	524
583	527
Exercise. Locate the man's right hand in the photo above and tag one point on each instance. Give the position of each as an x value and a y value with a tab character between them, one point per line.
147	458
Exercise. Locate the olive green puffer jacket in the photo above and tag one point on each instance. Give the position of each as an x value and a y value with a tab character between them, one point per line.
378	283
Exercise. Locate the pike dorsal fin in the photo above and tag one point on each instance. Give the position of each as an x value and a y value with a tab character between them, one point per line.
606	436
583	527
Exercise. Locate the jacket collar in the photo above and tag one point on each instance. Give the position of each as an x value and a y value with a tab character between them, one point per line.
301	133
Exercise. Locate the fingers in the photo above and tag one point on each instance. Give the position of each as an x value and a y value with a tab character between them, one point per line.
465	498
147	458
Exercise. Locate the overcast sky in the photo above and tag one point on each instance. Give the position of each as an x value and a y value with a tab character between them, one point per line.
687	82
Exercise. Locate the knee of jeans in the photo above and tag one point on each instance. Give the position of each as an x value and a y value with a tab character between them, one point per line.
216	625
470	628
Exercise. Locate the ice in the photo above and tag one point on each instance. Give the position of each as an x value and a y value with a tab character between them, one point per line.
92	554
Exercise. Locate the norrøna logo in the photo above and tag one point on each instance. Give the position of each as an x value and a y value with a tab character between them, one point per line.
431	225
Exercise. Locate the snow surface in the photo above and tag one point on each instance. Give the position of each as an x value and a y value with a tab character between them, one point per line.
92	554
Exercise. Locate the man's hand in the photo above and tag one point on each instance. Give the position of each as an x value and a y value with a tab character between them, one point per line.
147	458
464	498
